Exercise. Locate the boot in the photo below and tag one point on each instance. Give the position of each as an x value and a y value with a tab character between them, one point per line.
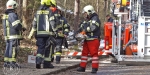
6	64
52	60
47	64
94	70
58	59
14	65
57	62
81	69
38	62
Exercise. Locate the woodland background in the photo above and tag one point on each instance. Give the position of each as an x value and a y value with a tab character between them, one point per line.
72	11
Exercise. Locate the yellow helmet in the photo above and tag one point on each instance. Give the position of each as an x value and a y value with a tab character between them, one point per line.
48	2
53	2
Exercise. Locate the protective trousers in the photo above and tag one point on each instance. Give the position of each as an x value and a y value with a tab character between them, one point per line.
59	42
90	47
43	51
11	50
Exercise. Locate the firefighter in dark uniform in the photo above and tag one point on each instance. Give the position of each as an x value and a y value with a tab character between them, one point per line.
62	32
109	18
12	32
91	43
44	26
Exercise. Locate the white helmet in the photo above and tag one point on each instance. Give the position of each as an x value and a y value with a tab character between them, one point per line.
89	9
11	4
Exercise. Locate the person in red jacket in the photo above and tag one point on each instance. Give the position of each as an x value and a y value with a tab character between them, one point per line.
92	40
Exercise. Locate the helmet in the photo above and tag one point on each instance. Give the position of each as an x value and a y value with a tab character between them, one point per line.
11	4
53	2
88	9
48	2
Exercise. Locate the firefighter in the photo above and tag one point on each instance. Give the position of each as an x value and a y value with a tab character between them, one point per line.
12	33
109	18
63	30
92	41
44	28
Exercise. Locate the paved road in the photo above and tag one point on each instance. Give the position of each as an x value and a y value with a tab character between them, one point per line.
68	67
107	68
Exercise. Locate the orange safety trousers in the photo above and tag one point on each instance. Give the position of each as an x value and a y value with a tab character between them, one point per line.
90	47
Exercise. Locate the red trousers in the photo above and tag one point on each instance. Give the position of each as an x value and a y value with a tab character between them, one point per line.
90	47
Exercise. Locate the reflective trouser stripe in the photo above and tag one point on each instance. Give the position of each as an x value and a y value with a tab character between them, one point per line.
95	62
6	59
39	55
47	59
13	52
58	54
83	61
12	59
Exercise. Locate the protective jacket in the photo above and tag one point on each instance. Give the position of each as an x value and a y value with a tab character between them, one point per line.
63	28
12	25
92	27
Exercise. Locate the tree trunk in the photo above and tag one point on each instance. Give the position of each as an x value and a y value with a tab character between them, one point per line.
97	5
76	14
24	5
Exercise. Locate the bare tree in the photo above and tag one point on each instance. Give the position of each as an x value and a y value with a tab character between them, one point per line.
24	5
76	14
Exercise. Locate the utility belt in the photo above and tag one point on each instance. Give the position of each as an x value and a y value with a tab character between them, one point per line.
92	37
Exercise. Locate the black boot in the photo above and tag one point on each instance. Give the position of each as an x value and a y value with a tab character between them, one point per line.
94	70
81	69
6	64
14	65
58	59
38	62
47	64
52	60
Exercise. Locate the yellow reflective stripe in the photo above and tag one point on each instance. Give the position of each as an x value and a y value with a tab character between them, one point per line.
7	29
39	55
61	34
5	16
94	22
15	22
42	12
47	23
13	52
50	54
13	37
6	59
56	14
51	18
59	26
66	30
45	32
12	59
88	29
58	54
66	25
90	38
47	59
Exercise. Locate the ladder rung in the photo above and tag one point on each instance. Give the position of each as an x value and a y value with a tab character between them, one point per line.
147	33
147	46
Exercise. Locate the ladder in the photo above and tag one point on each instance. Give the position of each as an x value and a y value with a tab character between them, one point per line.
146	7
